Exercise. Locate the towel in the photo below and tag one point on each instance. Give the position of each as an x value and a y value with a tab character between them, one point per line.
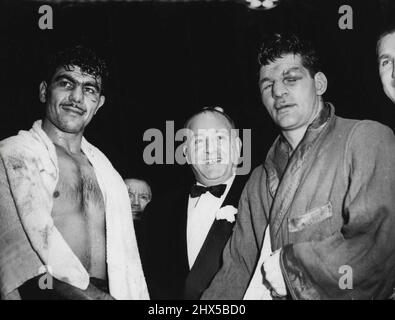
32	171
256	289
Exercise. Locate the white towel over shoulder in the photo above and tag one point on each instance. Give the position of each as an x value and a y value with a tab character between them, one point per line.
31	166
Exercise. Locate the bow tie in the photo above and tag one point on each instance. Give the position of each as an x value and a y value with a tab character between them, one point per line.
216	191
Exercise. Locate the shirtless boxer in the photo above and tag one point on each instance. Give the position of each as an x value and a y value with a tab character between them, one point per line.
72	95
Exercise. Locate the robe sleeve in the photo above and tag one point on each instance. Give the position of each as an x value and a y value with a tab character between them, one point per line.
242	249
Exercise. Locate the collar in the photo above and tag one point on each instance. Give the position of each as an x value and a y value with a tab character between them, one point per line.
280	154
227	182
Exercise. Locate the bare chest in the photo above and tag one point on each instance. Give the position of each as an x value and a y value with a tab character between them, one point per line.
79	211
77	186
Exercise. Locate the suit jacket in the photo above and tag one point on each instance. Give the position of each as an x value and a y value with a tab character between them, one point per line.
166	257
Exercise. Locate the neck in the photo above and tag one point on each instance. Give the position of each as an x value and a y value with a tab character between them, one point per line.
71	142
295	136
209	183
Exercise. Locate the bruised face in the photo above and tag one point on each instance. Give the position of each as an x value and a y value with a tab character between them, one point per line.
72	98
140	195
212	148
386	58
290	94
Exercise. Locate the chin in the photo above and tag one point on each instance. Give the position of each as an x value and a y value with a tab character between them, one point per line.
287	126
72	128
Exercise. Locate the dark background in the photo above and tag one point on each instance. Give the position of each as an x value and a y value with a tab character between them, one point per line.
169	59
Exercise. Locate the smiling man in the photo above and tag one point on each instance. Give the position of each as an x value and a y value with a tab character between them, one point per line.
326	190
65	215
189	227
386	60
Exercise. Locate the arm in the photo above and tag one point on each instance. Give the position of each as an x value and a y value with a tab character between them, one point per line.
59	290
69	292
242	250
366	243
19	263
18	260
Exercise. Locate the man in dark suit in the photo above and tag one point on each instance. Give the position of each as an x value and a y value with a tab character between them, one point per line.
189	227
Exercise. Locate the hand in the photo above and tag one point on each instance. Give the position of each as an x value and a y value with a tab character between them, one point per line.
271	271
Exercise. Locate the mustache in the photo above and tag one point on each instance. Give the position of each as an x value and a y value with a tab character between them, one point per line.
73	105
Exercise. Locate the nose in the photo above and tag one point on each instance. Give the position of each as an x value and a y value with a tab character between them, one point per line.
135	200
393	69
211	145
279	89
76	94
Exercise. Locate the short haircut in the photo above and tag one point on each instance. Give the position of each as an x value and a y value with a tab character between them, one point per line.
213	110
78	56
127	180
277	45
384	31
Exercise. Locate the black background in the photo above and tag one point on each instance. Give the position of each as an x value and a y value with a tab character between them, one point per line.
169	59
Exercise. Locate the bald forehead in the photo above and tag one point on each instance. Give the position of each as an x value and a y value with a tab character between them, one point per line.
138	184
209	120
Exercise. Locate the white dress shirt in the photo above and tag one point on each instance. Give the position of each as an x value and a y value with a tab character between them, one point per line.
201	215
256	289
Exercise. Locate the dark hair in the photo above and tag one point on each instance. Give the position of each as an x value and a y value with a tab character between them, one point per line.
214	110
85	58
277	45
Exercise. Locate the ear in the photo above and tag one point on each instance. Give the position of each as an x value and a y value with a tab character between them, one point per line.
236	150
321	83
43	92
101	102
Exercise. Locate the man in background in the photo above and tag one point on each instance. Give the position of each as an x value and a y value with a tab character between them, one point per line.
140	195
386	60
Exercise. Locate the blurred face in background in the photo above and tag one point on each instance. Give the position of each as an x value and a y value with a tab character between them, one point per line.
386	57
140	195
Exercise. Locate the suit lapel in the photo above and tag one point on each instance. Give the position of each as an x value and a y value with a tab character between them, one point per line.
209	258
180	231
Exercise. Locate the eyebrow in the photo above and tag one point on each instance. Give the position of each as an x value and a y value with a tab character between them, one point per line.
384	55
75	81
291	70
266	79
